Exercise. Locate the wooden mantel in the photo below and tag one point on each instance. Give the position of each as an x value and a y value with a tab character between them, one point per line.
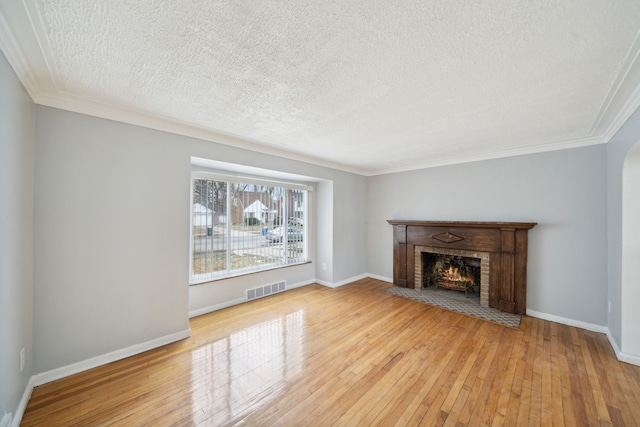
506	242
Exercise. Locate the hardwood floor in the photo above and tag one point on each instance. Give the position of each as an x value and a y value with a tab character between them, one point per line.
353	356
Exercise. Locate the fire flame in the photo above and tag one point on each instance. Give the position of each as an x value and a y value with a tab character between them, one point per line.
453	274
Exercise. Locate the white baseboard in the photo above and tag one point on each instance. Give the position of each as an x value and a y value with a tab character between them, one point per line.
220	306
383	278
84	365
613	343
324	283
633	359
301	284
342	282
216	307
621	356
6	420
22	405
353	279
565	321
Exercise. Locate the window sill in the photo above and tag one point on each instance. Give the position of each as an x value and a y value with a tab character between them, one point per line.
245	273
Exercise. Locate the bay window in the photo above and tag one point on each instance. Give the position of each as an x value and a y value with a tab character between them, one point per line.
242	225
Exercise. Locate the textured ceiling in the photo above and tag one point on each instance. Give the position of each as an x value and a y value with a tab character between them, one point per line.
368	86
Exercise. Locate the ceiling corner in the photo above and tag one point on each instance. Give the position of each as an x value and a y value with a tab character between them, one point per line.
19	41
623	97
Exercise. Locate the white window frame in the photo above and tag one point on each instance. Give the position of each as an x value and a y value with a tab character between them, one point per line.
198	173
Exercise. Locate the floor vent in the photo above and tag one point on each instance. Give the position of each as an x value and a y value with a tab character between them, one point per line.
265	290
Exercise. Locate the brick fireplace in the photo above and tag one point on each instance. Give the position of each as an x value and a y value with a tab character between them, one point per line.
501	248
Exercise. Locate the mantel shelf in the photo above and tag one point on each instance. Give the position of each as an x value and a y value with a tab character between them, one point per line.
465	224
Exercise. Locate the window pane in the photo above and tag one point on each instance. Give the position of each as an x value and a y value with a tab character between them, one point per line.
253	210
241	227
209	217
295	220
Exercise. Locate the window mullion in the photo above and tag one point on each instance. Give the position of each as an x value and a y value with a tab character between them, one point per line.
305	220
208	245
229	236
285	238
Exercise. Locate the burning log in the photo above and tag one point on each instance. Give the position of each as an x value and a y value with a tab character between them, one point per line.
452	278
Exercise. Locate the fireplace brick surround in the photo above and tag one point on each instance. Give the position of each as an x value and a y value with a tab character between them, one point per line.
502	247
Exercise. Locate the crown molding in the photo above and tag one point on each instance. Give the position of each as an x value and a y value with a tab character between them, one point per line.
496	154
623	97
132	116
20	43
23	42
89	107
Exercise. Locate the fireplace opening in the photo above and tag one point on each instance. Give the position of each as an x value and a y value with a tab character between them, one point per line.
454	273
451	272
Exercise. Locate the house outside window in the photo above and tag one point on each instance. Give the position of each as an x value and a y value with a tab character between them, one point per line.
244	225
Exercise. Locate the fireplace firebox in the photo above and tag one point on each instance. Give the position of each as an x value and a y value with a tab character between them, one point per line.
494	254
458	273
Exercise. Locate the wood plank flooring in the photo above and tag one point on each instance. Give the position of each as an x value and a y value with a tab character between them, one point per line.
352	356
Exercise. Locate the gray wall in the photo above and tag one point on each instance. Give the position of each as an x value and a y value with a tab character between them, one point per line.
110	223
617	150
349	227
324	222
112	234
17	125
630	337
563	191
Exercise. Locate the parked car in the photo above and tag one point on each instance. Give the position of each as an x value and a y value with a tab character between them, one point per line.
276	234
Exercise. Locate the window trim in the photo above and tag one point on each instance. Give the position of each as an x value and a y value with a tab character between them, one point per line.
199	173
247	273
